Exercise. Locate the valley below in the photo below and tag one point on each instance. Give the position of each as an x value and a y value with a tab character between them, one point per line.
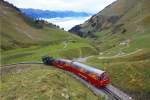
114	40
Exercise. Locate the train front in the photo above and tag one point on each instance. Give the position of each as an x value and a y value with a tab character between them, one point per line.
48	60
104	79
97	77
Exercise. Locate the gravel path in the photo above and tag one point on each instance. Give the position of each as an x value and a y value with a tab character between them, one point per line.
82	59
139	50
65	44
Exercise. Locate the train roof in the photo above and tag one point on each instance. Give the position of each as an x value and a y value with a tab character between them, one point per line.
65	60
88	68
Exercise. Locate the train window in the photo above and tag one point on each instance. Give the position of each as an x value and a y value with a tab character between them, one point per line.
82	70
99	77
104	76
88	72
93	75
77	67
61	62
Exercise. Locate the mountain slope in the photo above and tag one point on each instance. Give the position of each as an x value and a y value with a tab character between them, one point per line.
121	34
18	30
25	39
121	16
39	38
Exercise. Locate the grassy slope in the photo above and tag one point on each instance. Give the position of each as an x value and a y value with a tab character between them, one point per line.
71	51
129	71
42	83
20	42
111	44
132	70
18	31
121	16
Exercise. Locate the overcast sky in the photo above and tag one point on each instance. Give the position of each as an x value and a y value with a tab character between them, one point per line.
92	6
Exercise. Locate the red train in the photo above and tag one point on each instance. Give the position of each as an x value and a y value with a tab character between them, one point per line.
94	76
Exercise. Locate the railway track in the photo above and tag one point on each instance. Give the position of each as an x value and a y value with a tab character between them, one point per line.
7	65
105	92
111	94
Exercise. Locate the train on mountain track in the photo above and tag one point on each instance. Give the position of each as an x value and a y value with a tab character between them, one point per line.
94	76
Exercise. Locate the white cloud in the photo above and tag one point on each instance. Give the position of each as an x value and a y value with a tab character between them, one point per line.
68	22
75	5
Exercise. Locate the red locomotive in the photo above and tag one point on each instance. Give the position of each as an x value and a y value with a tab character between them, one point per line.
94	76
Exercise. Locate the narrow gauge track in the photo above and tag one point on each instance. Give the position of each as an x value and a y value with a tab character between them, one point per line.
102	91
7	65
110	93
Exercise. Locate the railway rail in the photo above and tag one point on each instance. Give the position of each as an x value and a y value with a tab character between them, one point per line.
106	92
110	93
7	65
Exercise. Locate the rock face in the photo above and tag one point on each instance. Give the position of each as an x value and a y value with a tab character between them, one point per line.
120	16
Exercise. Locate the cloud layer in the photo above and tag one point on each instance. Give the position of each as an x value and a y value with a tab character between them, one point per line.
92	6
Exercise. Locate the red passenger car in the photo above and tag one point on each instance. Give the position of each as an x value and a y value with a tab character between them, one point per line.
92	75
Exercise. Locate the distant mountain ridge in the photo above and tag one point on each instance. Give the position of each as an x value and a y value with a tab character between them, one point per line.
37	13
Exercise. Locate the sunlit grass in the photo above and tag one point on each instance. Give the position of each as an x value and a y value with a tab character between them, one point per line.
43	83
72	50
